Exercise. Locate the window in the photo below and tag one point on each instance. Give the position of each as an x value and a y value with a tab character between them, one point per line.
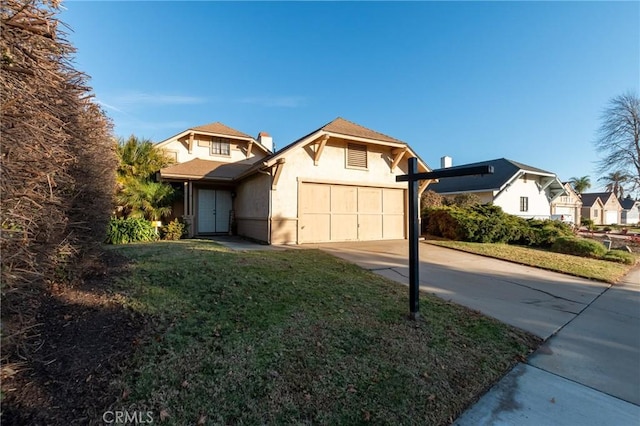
357	155
220	147
524	204
595	212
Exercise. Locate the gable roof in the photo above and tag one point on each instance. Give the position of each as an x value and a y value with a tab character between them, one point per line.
504	171
221	129
214	129
338	128
589	198
628	203
348	128
205	169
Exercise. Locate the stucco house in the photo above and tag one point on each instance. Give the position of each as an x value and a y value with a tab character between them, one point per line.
630	214
601	207
337	183
520	190
568	205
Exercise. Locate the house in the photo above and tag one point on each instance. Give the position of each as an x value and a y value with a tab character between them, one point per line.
630	214
568	205
519	189
601	207
337	183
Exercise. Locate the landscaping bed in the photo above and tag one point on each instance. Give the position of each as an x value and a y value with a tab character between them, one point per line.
298	336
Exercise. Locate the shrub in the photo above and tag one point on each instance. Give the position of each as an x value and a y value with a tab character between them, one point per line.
543	233
131	230
174	230
579	247
620	257
585	221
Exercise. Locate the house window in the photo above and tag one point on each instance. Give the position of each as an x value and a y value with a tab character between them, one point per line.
357	155
595	212
220	147
524	204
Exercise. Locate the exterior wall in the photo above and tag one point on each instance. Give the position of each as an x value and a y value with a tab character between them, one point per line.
509	199
594	213
251	206
631	216
612	204
237	150
568	204
331	168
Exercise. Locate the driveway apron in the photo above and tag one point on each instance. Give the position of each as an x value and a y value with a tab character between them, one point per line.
588	370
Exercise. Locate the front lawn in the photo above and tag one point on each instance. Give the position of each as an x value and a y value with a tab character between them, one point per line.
298	337
596	269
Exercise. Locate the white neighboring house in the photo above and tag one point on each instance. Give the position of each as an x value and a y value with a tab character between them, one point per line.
520	190
630	211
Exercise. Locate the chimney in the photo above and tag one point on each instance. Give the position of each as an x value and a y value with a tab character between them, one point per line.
265	140
446	162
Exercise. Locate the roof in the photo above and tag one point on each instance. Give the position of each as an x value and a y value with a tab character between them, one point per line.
205	169
503	171
221	129
349	128
339	126
628	203
589	198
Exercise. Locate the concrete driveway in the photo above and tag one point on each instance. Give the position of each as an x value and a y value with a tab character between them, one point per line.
588	369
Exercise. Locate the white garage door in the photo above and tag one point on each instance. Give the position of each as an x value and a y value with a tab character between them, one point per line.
350	213
565	210
611	217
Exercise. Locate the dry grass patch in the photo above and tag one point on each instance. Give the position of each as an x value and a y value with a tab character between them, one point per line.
300	337
596	269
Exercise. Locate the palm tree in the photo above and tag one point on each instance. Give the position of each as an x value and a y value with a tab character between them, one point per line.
138	195
614	181
145	199
580	184
139	158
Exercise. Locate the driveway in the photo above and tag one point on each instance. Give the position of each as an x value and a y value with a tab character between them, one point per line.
587	371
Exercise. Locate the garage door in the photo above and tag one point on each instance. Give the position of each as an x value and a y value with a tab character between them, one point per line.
350	213
611	217
565	210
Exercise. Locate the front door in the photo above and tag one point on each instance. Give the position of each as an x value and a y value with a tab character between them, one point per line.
214	207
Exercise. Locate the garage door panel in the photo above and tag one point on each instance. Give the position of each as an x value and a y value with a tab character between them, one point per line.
392	227
315	198
344	227
370	227
611	217
316	228
393	201
370	200
344	199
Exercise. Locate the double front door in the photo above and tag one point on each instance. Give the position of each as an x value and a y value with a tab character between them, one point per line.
214	207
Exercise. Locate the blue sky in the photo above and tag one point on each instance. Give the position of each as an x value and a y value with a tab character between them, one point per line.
473	80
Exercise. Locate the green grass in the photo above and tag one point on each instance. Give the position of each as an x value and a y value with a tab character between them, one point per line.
299	337
596	269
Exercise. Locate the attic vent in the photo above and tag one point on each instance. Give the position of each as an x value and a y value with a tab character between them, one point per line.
357	155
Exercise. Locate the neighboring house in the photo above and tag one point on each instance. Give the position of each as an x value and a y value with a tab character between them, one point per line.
601	207
568	204
519	189
630	214
338	183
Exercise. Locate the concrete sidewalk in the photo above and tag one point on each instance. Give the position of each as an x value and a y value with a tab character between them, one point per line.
588	370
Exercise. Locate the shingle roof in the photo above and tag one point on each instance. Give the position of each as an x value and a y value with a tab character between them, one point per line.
628	203
221	129
346	127
205	169
504	170
590	197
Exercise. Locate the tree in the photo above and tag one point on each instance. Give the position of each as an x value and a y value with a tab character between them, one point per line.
580	184
614	181
138	195
619	138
